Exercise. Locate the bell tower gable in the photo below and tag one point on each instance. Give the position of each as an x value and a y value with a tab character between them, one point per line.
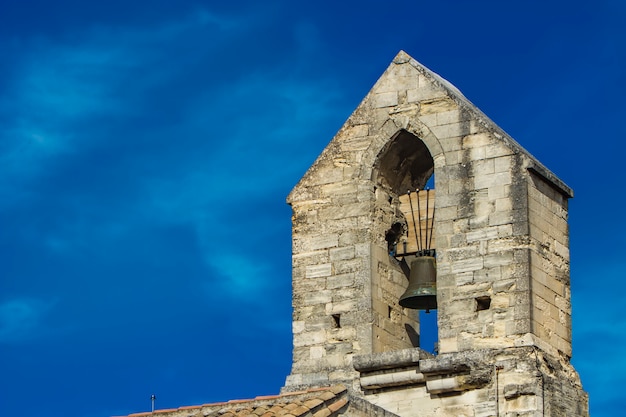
417	156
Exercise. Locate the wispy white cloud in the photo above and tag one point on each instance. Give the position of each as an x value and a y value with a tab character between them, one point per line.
21	319
251	155
234	143
251	139
240	276
57	88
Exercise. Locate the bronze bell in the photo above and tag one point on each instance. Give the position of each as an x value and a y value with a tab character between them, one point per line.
421	293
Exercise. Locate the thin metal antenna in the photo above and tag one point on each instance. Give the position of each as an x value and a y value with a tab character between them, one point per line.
152	398
413	217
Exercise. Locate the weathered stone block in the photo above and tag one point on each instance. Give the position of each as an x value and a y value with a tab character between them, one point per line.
387	99
341	307
487	233
498	259
317	352
466	265
453	131
317	271
297	326
340	281
423	93
315	242
339	254
478	140
309	338
344	211
318	297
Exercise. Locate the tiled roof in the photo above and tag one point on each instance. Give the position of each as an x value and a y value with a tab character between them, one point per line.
316	402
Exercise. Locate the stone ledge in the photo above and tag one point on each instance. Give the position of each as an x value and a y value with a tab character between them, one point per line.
457	372
458	362
388	360
392	379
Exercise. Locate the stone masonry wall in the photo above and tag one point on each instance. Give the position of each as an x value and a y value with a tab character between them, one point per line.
342	210
345	285
502	261
330	286
549	260
512	382
484	224
394	327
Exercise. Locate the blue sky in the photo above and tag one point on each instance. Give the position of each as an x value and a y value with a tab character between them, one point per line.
146	150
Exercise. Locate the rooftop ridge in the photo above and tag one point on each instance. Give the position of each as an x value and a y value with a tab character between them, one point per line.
314	402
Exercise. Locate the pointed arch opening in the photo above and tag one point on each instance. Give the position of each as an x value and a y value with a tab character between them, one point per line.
403	170
404	164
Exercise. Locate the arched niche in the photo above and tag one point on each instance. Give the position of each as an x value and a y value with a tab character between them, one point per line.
403	164
406	165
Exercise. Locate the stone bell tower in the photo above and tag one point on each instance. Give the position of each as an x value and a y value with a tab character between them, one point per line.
498	221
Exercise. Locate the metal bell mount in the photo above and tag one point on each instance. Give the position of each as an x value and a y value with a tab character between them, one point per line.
421	294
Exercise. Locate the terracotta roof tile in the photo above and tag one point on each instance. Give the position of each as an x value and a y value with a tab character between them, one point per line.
290	406
259	411
301	410
325	396
338	405
324	412
315	402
